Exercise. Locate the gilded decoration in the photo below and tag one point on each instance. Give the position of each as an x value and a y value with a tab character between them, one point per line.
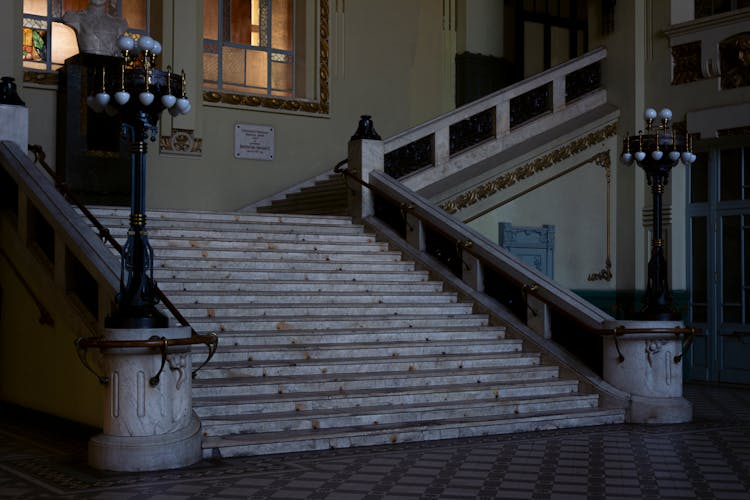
603	160
182	142
539	165
40	77
320	106
686	60
735	61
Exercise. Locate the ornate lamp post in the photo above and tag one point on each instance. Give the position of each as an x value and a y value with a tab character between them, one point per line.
658	151
136	91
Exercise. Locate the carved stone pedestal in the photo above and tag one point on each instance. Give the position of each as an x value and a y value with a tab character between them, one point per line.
648	372
147	426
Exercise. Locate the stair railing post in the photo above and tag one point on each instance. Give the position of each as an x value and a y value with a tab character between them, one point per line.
366	153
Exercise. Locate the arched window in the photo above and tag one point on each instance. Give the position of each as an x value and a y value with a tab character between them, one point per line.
47	42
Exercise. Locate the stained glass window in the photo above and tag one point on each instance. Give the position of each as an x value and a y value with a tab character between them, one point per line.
47	42
248	46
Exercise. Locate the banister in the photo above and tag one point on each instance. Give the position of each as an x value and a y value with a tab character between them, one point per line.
477	245
82	344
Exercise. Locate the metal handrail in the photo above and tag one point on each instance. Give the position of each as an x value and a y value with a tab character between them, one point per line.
533	288
211	340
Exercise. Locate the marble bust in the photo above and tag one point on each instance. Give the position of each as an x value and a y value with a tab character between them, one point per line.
97	32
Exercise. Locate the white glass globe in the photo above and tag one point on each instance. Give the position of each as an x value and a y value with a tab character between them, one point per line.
687	158
627	158
156	48
146	98
183	105
665	114
674	155
649	114
122	97
146	42
125	43
168	100
94	104
657	155
102	99
639	155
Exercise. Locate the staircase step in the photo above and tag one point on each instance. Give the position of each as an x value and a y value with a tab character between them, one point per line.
236	228
170	262
196	215
181	298
259	275
334	323
288	337
244	235
390	414
323	439
277	255
345	366
239	386
213	285
249	310
261	353
215	405
295	246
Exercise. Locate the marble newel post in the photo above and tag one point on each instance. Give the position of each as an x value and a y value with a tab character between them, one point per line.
650	370
147	426
366	154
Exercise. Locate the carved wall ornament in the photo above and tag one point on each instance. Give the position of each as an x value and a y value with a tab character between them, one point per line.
686	63
40	77
319	106
735	61
182	141
541	164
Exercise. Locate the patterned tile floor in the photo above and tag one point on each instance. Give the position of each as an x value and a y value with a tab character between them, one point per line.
709	458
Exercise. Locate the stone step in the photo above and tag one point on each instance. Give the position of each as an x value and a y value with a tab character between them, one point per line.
166	226
346	366
289	337
244	235
262	353
249	310
242	386
277	255
281	323
363	249
214	405
170	262
289	275
324	439
197	215
182	298
391	414
222	285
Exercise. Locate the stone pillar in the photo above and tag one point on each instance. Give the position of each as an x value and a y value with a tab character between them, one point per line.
147	427
14	115
366	153
648	371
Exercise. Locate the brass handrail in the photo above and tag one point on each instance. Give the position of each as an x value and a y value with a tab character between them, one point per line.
82	344
533	288
210	339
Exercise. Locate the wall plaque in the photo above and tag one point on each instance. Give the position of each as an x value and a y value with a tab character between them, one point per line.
253	142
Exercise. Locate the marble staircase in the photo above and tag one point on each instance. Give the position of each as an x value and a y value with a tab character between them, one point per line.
328	339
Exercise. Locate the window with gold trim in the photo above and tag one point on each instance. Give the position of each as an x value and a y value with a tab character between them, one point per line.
47	42
263	53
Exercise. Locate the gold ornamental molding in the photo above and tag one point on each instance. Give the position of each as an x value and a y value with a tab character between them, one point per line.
541	164
320	106
181	142
40	77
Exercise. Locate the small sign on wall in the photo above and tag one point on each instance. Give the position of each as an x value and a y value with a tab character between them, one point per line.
253	142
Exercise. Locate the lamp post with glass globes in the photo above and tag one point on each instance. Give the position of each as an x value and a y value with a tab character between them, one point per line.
133	89
657	151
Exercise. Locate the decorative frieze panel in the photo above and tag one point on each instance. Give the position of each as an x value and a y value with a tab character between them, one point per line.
735	61
181	142
539	165
686	60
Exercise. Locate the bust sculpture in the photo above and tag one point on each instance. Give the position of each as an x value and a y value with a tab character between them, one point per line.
97	32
